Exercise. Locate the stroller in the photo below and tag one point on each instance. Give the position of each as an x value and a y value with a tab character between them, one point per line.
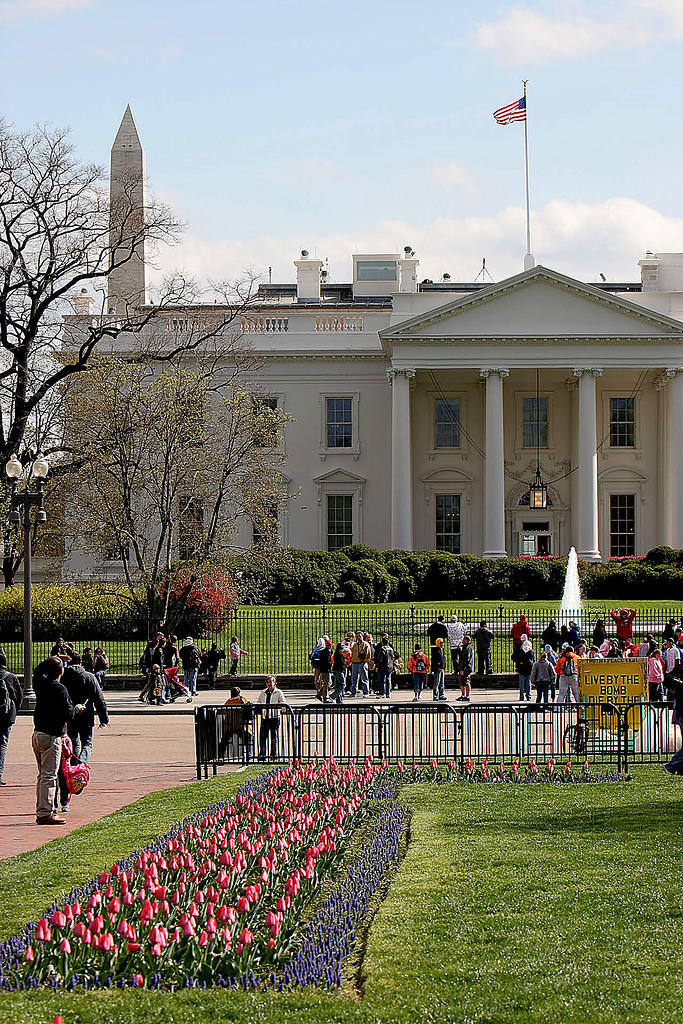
176	688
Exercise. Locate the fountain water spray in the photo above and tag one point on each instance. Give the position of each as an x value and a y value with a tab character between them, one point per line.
571	595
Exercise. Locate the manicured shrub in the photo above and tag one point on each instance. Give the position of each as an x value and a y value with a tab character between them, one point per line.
371	576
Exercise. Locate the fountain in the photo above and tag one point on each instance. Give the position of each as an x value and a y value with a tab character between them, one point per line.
571	595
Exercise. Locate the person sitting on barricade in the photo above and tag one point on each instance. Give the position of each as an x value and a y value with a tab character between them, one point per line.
237	724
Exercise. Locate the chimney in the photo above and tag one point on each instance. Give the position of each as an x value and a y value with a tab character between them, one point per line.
83	303
307	278
649	272
407	274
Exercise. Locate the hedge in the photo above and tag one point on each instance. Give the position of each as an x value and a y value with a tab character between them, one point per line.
360	574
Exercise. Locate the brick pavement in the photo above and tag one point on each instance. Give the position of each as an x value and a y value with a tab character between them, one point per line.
140	752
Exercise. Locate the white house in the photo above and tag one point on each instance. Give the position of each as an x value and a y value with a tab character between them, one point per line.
420	411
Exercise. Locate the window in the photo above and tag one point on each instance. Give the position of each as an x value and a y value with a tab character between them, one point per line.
622	525
447	423
190	522
339	418
448	523
265	424
376	270
264	531
622	422
529	424
339	521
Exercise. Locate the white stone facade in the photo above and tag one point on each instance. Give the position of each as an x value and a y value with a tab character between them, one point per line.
611	392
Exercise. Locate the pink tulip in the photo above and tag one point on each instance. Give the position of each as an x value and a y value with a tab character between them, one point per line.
29	955
107	942
58	919
114	906
243	905
246	938
203	939
64	946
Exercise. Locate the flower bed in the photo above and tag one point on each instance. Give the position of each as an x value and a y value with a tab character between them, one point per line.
492	772
228	897
221	899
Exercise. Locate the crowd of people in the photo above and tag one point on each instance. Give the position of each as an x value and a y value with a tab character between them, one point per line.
163	659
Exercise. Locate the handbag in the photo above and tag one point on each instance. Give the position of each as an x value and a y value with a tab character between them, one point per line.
76	776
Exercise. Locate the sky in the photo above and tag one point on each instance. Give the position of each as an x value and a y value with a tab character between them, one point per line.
366	125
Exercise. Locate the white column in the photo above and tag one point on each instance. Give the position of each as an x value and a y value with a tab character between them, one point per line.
401	460
587	476
494	466
674	469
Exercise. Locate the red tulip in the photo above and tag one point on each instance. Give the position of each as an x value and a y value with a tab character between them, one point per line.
58	919
137	980
203	939
29	955
243	905
114	906
133	947
246	938
64	946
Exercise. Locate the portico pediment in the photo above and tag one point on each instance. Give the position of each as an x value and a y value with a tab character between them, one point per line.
339	476
537	304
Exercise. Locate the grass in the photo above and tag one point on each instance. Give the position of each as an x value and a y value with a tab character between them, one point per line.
549	903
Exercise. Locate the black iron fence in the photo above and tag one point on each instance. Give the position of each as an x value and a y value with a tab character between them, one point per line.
603	734
280	639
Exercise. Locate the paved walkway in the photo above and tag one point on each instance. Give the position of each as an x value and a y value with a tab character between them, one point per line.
141	751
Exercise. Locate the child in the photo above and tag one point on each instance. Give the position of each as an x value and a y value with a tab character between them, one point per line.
418	666
236	653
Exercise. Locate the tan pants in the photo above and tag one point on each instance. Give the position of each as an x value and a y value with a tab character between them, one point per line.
48	753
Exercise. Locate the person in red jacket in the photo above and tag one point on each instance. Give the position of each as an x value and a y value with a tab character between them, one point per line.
623	620
520	629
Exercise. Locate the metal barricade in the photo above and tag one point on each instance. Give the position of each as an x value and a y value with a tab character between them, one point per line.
571	732
415	732
490	731
345	731
242	733
650	734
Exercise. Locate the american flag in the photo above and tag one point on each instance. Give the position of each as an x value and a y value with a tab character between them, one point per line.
511	112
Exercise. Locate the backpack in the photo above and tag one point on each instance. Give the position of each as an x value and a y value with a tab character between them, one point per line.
569	667
6	702
420	664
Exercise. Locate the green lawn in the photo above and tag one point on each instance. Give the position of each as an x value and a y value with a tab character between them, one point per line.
513	904
279	638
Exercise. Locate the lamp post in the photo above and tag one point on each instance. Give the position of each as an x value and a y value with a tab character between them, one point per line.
24	499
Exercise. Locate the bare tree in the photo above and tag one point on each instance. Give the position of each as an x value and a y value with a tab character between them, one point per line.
59	234
173	455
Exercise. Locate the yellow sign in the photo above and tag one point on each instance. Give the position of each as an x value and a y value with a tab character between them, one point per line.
613	682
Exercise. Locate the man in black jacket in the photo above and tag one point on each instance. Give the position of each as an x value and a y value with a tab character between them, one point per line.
11	696
84	689
52	714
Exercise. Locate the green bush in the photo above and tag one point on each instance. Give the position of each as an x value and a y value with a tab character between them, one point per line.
371	577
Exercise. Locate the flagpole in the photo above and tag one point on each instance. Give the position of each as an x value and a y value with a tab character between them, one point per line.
529	261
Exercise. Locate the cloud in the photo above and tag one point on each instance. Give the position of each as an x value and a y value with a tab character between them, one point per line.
580	239
524	35
453	176
13	10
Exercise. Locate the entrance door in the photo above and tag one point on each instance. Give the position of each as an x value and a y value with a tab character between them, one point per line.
535	543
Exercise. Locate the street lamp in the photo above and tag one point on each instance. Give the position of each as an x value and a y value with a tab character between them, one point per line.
24	499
